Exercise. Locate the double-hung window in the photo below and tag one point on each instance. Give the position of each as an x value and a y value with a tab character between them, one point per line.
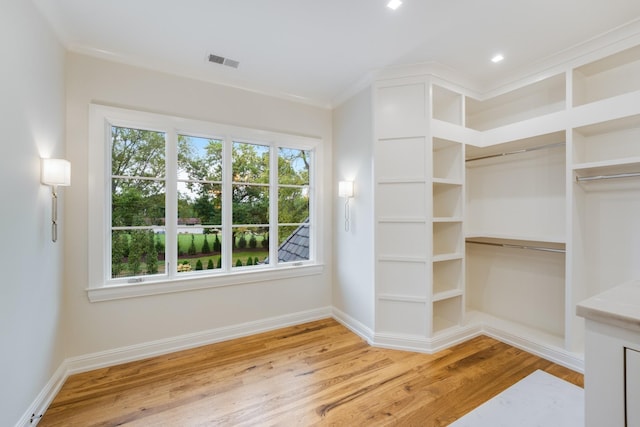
180	204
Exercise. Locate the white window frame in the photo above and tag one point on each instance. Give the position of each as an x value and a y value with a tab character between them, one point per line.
101	287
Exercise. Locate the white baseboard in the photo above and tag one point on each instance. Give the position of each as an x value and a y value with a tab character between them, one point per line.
426	345
353	325
120	355
33	414
460	334
553	354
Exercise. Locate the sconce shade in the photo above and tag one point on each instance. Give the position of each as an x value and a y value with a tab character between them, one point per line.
345	189
55	172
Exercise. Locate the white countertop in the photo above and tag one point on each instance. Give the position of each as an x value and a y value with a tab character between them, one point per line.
619	306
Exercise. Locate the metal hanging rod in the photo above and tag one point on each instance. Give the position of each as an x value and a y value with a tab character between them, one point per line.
524	150
612	176
511	246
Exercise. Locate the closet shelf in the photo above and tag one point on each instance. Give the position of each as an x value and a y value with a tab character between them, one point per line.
447	181
447	257
439	296
447	219
518	151
550	243
551	140
407	180
630	165
402	220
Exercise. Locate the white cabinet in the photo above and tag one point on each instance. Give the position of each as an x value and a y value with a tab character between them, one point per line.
632	386
612	356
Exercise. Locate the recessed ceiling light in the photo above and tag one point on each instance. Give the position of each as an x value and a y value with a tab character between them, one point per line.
394	4
497	58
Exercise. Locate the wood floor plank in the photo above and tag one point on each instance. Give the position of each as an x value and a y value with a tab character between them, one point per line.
318	373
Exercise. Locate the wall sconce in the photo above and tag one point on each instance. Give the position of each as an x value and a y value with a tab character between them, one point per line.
56	173
345	189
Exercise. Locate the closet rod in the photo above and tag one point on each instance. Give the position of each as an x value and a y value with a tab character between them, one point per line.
613	176
524	150
508	245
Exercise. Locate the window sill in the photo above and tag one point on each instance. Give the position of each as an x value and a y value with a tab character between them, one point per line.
108	293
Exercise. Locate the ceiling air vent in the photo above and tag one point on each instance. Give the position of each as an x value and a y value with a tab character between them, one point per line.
223	61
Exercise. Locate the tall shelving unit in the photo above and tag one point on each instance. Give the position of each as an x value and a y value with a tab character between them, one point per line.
506	244
605	177
448	297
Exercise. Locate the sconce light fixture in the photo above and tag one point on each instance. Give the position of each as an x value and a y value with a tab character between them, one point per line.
345	189
55	173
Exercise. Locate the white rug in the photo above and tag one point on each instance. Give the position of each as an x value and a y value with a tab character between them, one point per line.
539	400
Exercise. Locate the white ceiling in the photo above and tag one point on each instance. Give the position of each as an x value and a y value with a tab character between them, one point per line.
316	50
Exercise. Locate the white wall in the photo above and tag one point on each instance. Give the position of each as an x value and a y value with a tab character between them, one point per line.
96	327
353	284
32	123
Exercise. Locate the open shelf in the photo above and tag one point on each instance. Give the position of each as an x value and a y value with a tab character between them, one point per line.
441	296
447	105
504	151
447	160
518	195
607	77
447	313
613	141
544	97
447	200
448	276
518	285
447	238
608	167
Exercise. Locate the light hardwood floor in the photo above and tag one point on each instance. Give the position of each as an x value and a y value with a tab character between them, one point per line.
318	373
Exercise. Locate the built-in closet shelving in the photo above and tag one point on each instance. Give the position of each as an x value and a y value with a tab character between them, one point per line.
448	208
500	213
530	102
515	233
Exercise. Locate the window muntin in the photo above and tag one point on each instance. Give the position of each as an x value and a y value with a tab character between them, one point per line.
164	232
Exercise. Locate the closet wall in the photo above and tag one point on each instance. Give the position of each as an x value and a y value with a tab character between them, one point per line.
499	214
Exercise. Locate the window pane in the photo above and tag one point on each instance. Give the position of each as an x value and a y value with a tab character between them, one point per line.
200	203
198	249
251	246
137	202
136	152
250	204
199	159
137	252
250	163
293	166
294	243
293	204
